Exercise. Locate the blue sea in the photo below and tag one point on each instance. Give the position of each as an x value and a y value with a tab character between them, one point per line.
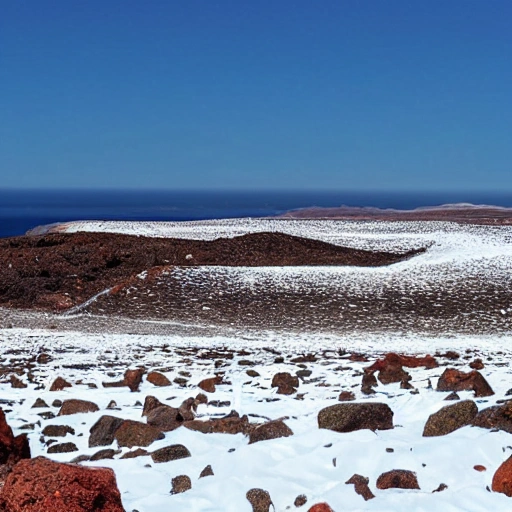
23	210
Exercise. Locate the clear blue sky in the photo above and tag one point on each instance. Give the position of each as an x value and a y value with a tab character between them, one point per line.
239	94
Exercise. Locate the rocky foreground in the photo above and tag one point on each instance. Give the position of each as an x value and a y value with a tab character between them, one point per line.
271	428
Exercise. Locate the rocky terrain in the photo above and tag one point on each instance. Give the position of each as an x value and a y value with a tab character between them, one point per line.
256	365
210	424
460	213
55	272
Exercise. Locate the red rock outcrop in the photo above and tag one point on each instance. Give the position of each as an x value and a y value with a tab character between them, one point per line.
39	484
502	479
398	479
12	449
455	380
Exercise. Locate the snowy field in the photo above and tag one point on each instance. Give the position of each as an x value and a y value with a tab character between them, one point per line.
455	296
313	462
461	283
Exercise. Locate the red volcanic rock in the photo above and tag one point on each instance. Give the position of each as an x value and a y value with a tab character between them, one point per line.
158	379
133	433
208	385
361	486
12	449
390	368
347	417
59	384
398	479
40	484
230	424
477	364
346	396
321	507
368	383
75	406
285	383
502	479
259	499
270	430
455	380
132	379
165	418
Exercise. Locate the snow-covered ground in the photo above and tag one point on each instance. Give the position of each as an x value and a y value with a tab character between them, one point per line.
313	462
465	273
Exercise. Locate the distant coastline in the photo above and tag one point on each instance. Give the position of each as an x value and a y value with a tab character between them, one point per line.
23	210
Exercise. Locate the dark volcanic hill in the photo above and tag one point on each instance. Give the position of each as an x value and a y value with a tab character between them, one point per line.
58	271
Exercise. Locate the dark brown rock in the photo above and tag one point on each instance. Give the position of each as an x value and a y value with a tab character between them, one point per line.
74	406
477	364
201	398
59	384
442	487
450	418
497	416
39	484
150	403
168	453
502	479
103	431
39	403
138	452
62	448
181	483
479	468
17	383
259	500
398	479
165	418
158	379
57	431
455	380
347	396
361	486
369	382
134	433
300	500
107	453
347	417
187	409
208	385
230	424
285	383
269	430
132	379
207	471
452	396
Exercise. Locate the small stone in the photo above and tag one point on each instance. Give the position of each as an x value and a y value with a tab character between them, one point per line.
346	396
361	486
62	448
441	488
479	468
259	500
300	500
58	431
207	471
158	379
168	453
39	403
59	384
398	479
181	484
74	406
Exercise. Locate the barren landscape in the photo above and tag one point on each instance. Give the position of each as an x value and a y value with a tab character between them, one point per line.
262	364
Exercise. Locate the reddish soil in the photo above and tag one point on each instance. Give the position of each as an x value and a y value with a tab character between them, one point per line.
55	272
462	214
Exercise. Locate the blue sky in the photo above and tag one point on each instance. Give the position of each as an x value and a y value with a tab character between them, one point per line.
336	95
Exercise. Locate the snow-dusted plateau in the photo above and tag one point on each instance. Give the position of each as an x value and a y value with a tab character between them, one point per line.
325	326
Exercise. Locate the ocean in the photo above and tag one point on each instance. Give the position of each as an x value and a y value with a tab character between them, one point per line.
21	210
